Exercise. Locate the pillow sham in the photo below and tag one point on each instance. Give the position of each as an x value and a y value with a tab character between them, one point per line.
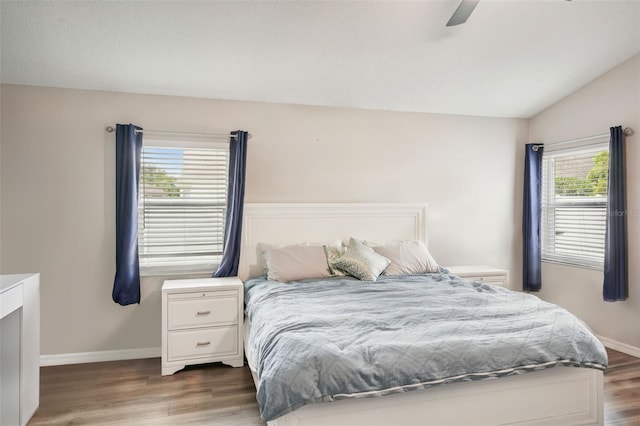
407	257
360	261
293	263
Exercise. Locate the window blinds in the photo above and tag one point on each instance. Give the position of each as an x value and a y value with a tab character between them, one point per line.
182	208
574	200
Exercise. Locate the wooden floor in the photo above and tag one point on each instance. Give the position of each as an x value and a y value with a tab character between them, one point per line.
134	393
622	390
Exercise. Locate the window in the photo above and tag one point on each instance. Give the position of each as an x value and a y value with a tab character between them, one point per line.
182	206
574	204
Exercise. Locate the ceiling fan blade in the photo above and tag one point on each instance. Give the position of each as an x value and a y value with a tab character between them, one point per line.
462	13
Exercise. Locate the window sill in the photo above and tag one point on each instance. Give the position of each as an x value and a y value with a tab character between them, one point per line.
574	265
175	272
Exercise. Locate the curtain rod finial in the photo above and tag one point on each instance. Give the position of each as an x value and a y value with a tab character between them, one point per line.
110	129
628	131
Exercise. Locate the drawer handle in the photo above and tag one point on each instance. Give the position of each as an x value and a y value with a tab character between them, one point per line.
203	343
200	313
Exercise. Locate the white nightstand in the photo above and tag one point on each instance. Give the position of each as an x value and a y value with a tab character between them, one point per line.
201	322
481	273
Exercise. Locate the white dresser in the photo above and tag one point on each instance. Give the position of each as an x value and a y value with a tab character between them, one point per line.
19	348
485	274
202	322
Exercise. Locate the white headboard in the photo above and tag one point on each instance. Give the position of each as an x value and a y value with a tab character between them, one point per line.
291	223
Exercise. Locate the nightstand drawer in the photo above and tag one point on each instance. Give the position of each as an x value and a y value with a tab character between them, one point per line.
489	279
482	274
196	310
203	343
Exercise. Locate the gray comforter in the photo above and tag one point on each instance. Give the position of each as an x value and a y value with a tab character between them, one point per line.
316	341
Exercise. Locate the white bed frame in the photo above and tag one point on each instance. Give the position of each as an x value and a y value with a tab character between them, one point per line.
552	397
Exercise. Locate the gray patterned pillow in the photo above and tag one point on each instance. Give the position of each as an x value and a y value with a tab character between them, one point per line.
333	253
360	261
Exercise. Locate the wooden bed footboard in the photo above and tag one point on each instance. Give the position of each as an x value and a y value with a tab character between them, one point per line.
552	397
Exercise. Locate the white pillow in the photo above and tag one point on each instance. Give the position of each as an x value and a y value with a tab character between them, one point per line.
360	261
293	263
296	261
407	257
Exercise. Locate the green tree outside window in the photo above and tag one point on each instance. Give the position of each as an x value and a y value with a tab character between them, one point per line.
594	184
158	178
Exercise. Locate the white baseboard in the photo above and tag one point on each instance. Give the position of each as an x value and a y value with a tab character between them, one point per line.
124	354
100	356
620	347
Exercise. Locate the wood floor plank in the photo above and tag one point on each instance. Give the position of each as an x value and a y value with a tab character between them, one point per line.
134	393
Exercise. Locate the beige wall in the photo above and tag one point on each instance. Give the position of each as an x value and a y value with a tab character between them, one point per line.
58	188
613	99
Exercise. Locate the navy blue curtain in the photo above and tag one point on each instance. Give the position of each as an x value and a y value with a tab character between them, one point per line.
126	285
531	217
235	202
615	243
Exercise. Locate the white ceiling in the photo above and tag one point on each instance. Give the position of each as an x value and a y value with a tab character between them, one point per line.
511	59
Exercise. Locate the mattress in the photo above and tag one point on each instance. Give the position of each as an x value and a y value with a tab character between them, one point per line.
248	349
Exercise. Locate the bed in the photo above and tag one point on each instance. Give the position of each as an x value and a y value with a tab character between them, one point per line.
563	395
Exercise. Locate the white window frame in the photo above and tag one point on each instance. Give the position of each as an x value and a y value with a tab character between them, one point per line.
591	207
147	266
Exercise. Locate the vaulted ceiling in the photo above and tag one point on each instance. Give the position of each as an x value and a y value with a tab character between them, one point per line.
510	59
